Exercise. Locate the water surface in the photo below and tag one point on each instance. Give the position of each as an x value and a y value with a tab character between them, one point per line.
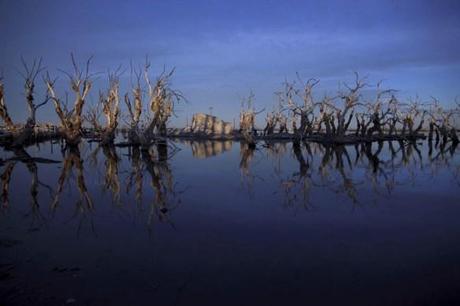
216	223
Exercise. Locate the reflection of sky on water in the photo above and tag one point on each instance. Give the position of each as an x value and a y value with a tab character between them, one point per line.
368	237
354	174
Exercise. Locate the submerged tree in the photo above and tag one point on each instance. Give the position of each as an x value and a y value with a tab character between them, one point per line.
350	101
162	100
110	108
134	108
378	118
271	121
302	111
24	133
247	119
29	87
71	119
4	114
442	122
329	119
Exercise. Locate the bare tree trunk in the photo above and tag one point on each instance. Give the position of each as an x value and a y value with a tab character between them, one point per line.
453	136
376	127
71	120
162	99
392	129
431	131
23	133
4	110
135	112
111	110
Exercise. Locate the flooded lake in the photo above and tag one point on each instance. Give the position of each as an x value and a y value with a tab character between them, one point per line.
218	223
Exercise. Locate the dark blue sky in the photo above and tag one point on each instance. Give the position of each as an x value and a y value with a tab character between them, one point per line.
222	49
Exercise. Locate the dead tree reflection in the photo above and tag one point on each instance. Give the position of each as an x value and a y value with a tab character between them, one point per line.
342	181
111	179
110	171
297	187
246	156
361	173
72	161
22	156
5	180
380	173
166	198
367	165
136	176
275	150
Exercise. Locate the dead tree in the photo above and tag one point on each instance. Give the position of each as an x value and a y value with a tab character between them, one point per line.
247	120
326	117
413	113
24	133
273	119
393	106
92	117
134	108
361	125
9	124
29	87
283	122
307	108
270	123
111	109
378	116
162	99
71	119
441	122
304	109
350	101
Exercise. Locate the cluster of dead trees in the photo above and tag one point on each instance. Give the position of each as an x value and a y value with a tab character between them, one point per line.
274	119
346	117
160	101
349	115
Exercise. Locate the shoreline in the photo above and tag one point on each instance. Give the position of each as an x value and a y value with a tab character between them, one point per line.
7	138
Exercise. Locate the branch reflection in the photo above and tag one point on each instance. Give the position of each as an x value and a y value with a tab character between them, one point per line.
301	174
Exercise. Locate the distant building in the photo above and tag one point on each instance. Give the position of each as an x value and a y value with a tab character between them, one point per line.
208	124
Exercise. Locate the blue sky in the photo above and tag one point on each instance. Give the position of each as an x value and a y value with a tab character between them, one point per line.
223	49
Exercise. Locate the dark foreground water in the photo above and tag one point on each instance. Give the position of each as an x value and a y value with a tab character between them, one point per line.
216	223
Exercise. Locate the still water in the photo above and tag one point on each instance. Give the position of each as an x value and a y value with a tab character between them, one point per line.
216	223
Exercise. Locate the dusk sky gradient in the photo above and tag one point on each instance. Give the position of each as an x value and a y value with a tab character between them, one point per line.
223	49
